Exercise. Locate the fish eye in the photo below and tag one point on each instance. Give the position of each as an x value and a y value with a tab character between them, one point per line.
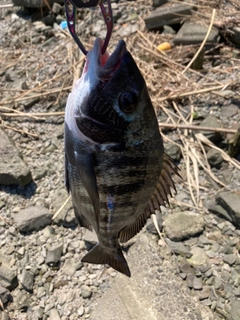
127	102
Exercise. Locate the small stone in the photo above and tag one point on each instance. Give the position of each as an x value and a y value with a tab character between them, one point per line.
198	258
183	225
219	210
217	283
69	267
215	158
80	311
54	315
8	277
173	151
150	225
197	283
86	292
185	267
10	75
230	258
230	202
56	8
27	280
66	217
190	278
204	240
235	310
54	254
158	3
90	239
13	170
211	122
204	293
229	111
5	316
41	292
179	248
32	218
5	296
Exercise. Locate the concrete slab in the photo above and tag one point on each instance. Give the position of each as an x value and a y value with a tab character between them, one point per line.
154	292
168	15
194	33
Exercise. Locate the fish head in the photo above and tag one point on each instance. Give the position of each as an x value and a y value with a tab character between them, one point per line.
111	101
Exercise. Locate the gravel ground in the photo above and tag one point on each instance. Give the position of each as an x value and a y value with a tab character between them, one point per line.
42	267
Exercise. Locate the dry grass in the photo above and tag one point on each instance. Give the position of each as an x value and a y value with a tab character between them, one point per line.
168	75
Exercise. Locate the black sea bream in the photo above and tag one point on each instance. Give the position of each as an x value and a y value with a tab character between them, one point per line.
116	169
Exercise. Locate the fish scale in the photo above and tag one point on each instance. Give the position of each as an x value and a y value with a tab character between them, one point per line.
116	168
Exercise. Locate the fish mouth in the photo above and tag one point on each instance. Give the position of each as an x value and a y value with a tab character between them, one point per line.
104	65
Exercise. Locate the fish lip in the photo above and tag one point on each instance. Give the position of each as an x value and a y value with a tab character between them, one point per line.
106	64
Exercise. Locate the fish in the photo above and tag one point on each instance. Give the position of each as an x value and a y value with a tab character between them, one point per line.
115	167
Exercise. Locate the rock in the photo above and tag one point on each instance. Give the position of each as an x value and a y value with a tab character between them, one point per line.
27	280
29	103
8	277
167	15
150	225
235	36
59	19
204	293
66	216
69	267
4	316
10	75
229	111
48	20
158	3
197	283
173	151
34	3
215	158
217	283
90	239
54	254
56	8
35	313
127	30
235	310
230	259
168	30
13	170
230	202
86	292
32	218
198	257
183	225
54	315
211	122
227	176
194	33
219	210
179	248
5	296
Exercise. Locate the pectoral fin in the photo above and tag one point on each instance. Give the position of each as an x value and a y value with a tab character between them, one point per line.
87	175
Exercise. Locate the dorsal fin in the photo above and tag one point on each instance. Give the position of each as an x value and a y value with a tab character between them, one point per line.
159	198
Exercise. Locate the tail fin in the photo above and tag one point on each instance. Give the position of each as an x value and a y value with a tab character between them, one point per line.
100	255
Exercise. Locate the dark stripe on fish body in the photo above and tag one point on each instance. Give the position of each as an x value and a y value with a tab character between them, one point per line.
126	162
120	190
